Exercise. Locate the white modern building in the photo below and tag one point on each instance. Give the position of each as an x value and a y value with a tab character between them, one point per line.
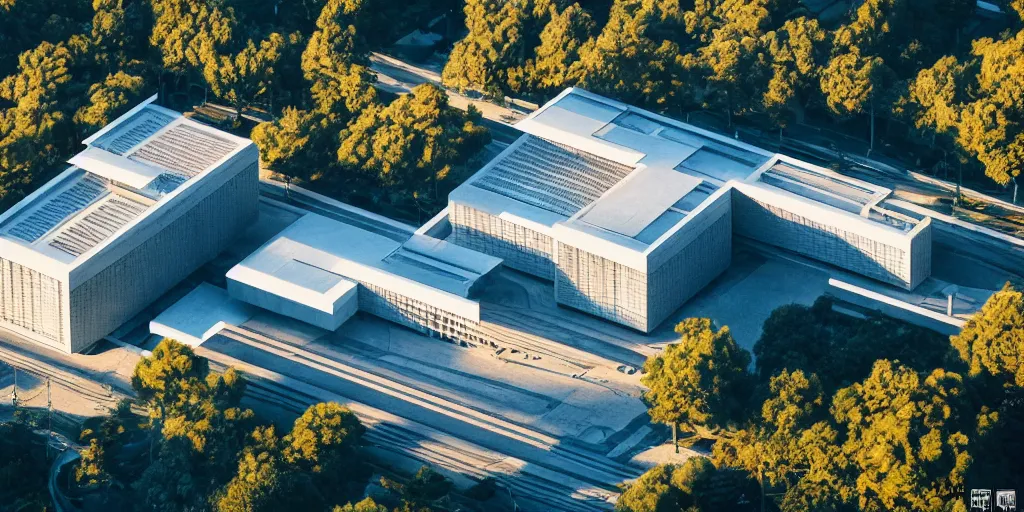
631	213
321	271
152	198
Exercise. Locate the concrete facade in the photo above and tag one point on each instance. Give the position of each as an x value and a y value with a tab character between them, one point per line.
321	271
88	251
631	214
518	246
901	258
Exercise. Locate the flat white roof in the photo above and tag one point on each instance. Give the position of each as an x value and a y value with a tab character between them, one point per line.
316	260
665	170
128	170
200	314
606	169
642	198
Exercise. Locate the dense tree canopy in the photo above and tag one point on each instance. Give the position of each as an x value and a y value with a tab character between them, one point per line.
560	43
840	349
699	383
860	414
695	485
202	451
493	46
107	99
23	468
415	144
186	32
992	342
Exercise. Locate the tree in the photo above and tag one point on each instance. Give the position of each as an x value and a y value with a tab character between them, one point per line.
797	52
628	60
695	485
188	32
855	84
341	86
652	492
976	101
195	422
323	444
36	131
285	143
992	342
992	125
247	77
414	144
737	68
23	468
493	45
98	466
840	349
264	482
935	96
24	24
905	437
168	378
791	447
366	505
699	384
560	43
734	53
108	100
772	448
420	492
118	27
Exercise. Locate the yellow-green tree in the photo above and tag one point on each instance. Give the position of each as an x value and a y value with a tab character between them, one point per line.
906	438
285	143
187	32
630	59
366	505
992	342
414	144
770	447
992	126
97	468
197	426
265	482
109	99
323	443
119	29
856	84
560	43
495	43
248	76
734	56
699	384
692	486
331	62
36	130
792	449
796	51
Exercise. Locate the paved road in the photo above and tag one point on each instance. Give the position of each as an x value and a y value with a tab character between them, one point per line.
400	77
61	502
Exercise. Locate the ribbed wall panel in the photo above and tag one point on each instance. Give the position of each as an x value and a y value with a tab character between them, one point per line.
774	225
125	287
416	315
32	302
921	256
521	248
601	287
689	270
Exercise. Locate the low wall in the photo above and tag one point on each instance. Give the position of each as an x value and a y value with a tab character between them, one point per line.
894	308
